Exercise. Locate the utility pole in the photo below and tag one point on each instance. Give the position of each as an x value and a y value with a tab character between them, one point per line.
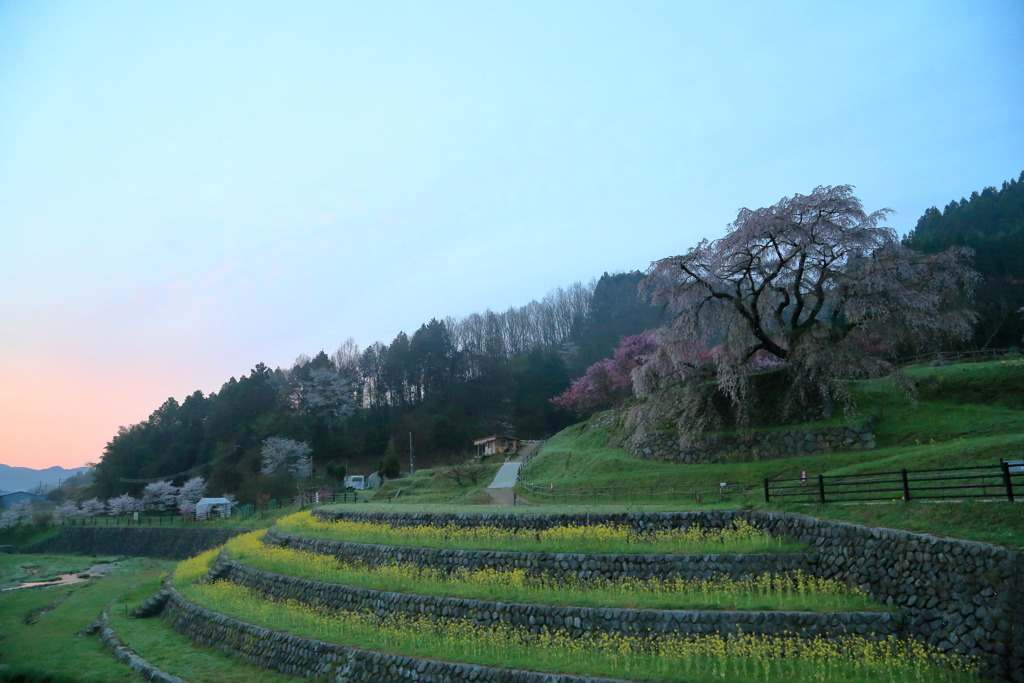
412	463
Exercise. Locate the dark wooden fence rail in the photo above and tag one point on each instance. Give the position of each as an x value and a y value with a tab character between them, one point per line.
1005	480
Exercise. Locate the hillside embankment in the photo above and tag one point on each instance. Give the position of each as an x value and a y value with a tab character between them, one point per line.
171	543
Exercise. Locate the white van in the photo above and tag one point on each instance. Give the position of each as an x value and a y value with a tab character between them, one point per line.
356	481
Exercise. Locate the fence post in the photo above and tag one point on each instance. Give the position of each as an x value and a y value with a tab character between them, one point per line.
821	488
906	486
767	496
1007	479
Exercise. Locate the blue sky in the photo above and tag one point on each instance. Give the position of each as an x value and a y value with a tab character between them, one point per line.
190	188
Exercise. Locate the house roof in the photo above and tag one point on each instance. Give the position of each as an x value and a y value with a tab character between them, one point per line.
494	438
213	501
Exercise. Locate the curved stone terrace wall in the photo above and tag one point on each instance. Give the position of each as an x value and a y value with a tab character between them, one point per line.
577	621
124	654
309	658
641	521
751	446
964	597
581	565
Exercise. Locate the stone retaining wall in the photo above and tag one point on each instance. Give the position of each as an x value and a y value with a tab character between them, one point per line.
128	657
176	543
316	659
577	621
963	597
526	521
584	566
752	446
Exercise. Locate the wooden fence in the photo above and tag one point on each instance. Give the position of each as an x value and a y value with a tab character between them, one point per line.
1003	481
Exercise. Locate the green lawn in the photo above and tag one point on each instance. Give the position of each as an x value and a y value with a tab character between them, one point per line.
942	429
40	625
39	628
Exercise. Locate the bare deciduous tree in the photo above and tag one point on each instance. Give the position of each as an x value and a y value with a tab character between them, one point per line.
812	283
463	474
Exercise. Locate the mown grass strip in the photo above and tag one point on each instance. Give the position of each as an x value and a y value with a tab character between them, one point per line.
172	652
667	658
794	591
742	537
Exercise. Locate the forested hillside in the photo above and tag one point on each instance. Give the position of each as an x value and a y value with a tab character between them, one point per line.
992	223
453	381
450	382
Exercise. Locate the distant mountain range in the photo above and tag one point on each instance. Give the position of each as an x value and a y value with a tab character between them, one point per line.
25	478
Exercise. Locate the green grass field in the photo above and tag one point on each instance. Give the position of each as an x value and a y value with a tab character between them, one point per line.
39	627
965	415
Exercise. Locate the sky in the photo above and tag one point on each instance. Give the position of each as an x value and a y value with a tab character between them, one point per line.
188	189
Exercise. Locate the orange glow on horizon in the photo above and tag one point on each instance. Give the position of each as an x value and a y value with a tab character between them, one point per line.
64	415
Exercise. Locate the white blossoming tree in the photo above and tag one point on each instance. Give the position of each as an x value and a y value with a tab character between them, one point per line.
124	504
159	496
281	454
66	510
16	515
191	492
92	508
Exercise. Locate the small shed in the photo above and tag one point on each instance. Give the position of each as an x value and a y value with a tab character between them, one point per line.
496	444
213	507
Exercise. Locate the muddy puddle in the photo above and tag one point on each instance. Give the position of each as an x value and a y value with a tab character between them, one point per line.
93	572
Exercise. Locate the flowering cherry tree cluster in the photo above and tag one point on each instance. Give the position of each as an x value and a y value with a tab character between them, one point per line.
124	504
19	514
281	454
813	285
608	382
159	496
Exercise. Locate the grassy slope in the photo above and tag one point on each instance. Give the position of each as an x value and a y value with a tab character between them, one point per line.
38	623
946	428
439	485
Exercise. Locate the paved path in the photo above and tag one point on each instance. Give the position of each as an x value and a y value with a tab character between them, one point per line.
506	476
502	489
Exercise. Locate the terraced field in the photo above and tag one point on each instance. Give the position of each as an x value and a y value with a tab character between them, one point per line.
304	601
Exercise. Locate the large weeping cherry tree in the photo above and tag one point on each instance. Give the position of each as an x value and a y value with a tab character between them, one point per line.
812	287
